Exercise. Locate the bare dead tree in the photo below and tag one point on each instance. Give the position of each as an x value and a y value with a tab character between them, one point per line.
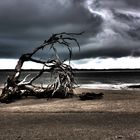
64	82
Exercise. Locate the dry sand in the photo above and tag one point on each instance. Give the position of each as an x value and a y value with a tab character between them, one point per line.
116	116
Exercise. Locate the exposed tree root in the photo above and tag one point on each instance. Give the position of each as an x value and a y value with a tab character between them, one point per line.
62	86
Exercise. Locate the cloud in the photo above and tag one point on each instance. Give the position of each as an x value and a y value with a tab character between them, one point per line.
133	3
111	27
34	21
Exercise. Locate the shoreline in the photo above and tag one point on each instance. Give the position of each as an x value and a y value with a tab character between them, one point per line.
101	86
112	101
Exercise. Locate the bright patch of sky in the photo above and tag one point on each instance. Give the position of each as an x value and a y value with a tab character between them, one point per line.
97	63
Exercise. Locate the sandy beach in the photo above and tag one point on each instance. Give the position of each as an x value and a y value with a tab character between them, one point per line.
116	116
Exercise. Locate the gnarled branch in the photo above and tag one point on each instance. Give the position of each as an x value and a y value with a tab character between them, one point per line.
64	82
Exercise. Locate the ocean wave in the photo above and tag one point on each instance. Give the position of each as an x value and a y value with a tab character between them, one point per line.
109	86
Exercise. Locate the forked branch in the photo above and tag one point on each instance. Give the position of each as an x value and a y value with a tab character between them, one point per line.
64	82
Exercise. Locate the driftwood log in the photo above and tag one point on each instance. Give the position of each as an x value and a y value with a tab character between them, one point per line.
90	96
62	86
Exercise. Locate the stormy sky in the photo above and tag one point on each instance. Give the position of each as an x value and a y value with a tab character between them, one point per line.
112	29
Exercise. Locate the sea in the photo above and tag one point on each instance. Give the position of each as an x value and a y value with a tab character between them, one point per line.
95	79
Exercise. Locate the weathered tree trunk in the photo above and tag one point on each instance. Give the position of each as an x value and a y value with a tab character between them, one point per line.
63	84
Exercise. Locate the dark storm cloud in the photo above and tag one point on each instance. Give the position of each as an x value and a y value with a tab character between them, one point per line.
134	3
25	24
33	20
114	52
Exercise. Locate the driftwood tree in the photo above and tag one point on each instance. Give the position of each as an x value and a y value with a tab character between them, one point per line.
64	83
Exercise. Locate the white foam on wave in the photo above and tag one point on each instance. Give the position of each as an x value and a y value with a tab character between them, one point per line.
109	86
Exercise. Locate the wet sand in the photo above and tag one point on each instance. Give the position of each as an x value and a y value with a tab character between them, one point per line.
116	116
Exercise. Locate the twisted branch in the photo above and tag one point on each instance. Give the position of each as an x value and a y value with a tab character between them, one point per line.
65	78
